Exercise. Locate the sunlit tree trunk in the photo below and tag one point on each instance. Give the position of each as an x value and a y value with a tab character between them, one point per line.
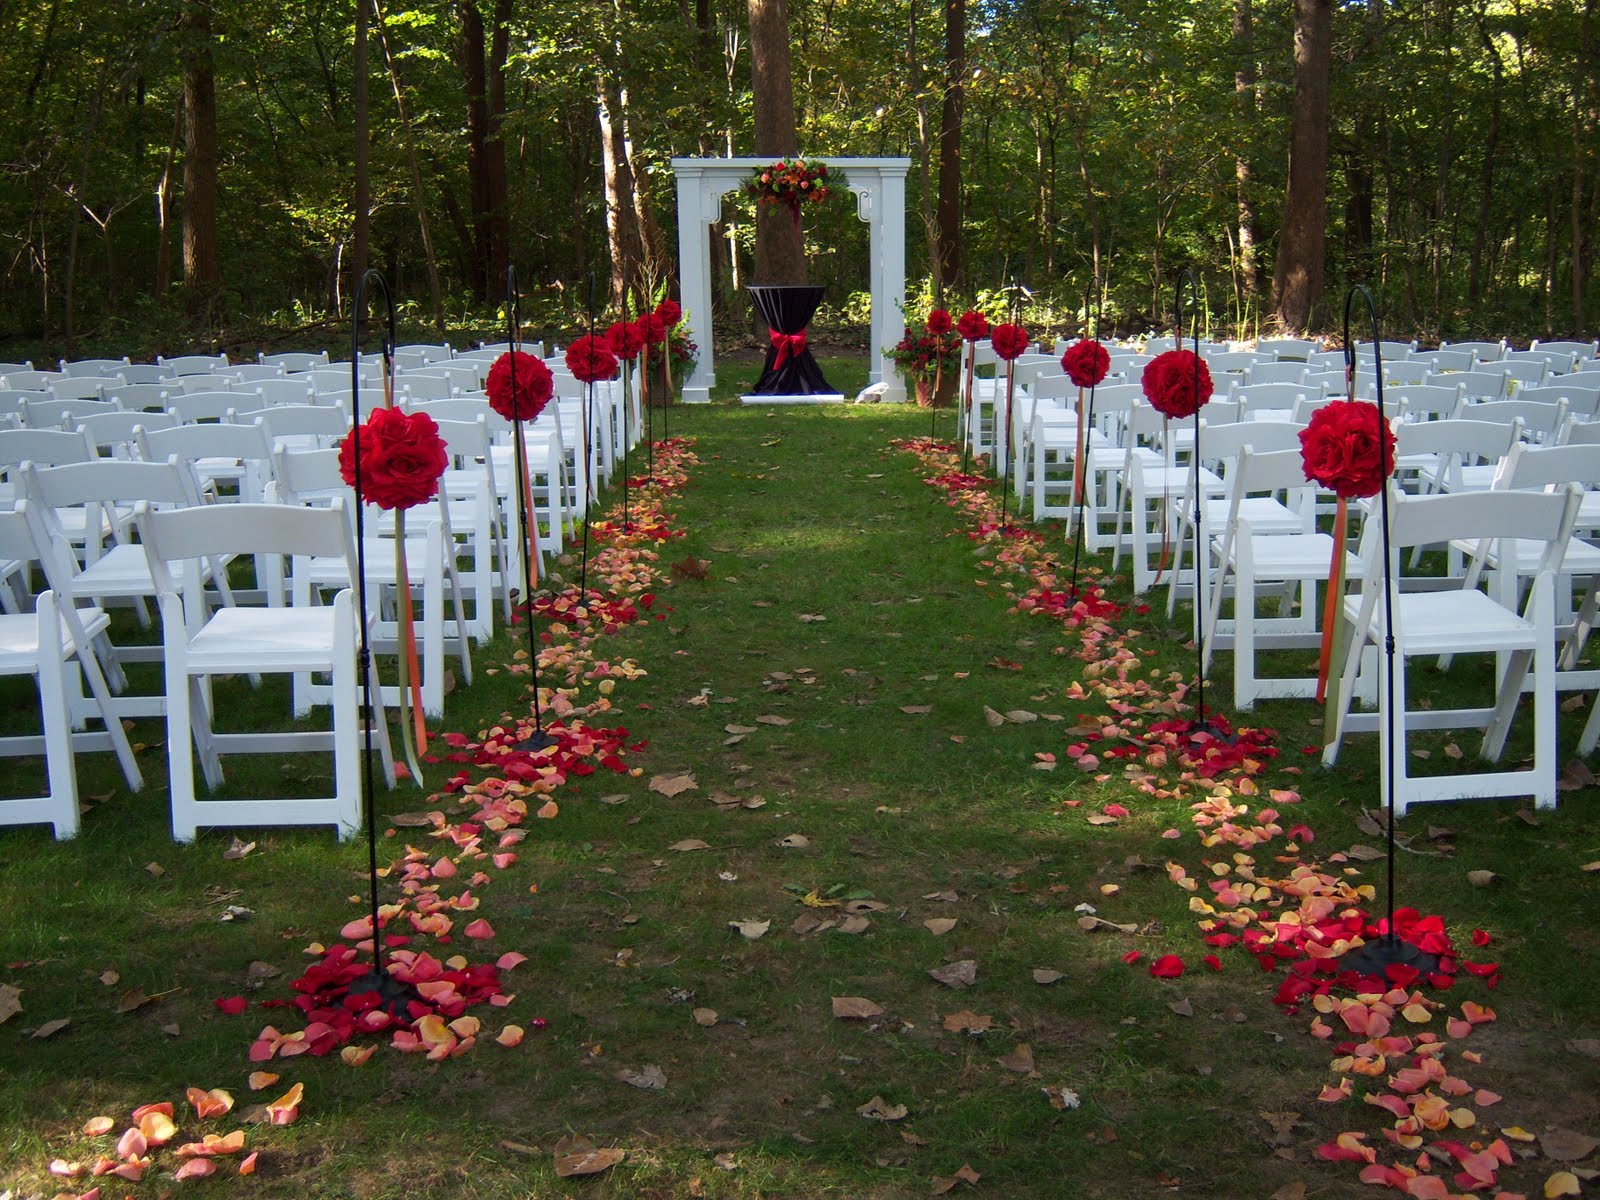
1298	281
1244	89
202	268
950	256
780	256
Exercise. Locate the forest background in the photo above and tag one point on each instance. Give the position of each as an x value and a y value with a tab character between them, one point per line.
183	173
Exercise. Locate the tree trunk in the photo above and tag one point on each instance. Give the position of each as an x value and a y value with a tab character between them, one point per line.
955	73
622	221
1491	150
780	254
363	179
1585	74
1298	281
1244	90
477	89
930	227
496	208
164	204
419	197
202	269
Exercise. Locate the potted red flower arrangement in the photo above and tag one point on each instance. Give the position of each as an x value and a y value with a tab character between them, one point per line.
929	359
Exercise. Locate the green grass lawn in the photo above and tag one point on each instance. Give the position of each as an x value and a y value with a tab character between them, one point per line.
827	678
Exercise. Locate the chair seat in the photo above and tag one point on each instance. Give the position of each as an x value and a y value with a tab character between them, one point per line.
1579	558
1162	479
264	639
124	570
1264	515
1297	556
1448	623
330	572
19	639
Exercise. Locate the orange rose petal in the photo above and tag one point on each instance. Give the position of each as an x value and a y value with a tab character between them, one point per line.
96	1126
354	1056
195	1168
510	959
132	1143
286	1108
248	1165
480	930
262	1079
144	1110
65	1169
510	1036
157	1128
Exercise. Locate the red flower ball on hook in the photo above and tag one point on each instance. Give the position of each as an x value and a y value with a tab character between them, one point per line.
1340	448
519	385
589	359
939	321
973	326
670	312
1086	362
1178	383
402	458
1009	341
653	328
625	339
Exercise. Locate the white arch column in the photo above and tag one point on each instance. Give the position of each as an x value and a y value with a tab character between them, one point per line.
880	188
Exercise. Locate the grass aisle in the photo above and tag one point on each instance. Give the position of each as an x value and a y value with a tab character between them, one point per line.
824	811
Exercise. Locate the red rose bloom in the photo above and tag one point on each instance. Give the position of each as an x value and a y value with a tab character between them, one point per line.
1170	383
625	339
1340	448
1086	362
533	386
1008	341
589	359
939	321
670	312
402	457
973	326
653	328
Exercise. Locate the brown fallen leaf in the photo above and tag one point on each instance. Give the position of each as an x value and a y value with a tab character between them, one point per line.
155	869
10	1002
967	1021
1182	1007
1290	1191
1046	976
943	1183
135	1000
854	924
1368	824
691	567
912	1139
238	849
939	926
957	974
879	1109
1564	1145
1020	1059
1576	774
1481	879
650	1078
1089	923
688	844
1100	818
750	929
51	1028
673	784
994	719
582	1158
773	719
794	841
1527	818
1588	1047
411	820
946	897
1363	853
1021	716
705	1017
916	710
855	1008
1061	1097
110	977
1590	867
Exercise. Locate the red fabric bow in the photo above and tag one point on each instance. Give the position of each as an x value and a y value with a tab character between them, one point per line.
788	345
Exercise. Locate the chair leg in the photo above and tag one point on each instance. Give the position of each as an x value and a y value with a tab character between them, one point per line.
56	718
1392	737
180	742
347	757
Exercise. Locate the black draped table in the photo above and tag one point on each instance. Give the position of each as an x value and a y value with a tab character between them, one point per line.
790	369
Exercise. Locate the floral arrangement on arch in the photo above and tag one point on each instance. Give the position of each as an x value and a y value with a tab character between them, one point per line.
794	181
936	349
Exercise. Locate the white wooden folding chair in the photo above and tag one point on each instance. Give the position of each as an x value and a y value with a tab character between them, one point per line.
1462	620
273	640
1150	482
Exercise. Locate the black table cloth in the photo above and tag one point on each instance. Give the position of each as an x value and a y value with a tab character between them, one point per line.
790	368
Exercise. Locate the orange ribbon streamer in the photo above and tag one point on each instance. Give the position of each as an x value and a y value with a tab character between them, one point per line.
1330	605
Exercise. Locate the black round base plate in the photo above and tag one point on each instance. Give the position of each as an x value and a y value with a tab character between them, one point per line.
1373	957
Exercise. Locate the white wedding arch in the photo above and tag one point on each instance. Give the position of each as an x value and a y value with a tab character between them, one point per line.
880	188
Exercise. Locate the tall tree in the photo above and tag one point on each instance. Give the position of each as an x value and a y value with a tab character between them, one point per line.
622	214
780	256
202	265
955	81
363	181
1298	281
483	69
1244	90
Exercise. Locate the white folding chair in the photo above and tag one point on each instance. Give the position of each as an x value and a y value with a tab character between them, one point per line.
1149	484
50	412
294	361
1462	620
192	364
1281	553
92	368
237	455
273	640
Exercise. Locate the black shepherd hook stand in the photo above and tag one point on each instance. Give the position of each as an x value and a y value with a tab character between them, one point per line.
627	407
588	462
393	995
1082	476
527	522
969	353
1389	949
1202	723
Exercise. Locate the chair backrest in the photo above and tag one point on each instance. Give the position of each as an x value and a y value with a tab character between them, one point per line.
146	373
1280	371
1478	385
1232	361
29	380
1407	371
308	476
1294	349
1447	360
1222	443
461	408
1582	349
1559	362
1548	466
1581	433
115	430
1271	396
1523	370
424	387
92	368
25	365
208	382
92	387
1539	420
193	364
1457	442
208	406
53	414
110	481
294	361
1428	520
137	396
251	373
426	351
189	443
1256	470
1427	401
299	420
1483	351
295	389
47	446
213	530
